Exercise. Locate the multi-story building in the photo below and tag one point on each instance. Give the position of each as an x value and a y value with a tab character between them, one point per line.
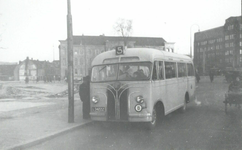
219	47
208	49
85	48
35	69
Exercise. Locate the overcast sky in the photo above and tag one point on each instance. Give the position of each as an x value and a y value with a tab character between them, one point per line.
34	27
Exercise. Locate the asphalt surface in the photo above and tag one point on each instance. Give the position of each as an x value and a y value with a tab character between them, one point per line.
204	126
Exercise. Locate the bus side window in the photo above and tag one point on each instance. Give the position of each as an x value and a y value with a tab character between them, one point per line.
181	69
154	76
190	70
170	70
161	72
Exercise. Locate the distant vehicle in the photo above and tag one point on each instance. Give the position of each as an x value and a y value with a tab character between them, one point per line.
140	85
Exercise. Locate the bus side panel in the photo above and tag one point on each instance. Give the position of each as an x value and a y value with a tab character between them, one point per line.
182	88
191	87
163	95
172	94
156	93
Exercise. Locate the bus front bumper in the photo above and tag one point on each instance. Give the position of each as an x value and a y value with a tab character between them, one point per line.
132	118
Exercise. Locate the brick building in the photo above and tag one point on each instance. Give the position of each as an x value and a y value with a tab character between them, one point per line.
85	48
219	47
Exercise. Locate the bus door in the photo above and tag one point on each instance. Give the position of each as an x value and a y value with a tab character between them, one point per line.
162	84
182	82
155	83
171	85
191	80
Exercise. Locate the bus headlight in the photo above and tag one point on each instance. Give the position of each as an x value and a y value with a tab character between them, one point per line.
138	108
95	99
139	99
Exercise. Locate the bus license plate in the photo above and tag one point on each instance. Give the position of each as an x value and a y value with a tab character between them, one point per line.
98	108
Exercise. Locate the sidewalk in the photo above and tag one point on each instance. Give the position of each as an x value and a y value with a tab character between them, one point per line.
26	131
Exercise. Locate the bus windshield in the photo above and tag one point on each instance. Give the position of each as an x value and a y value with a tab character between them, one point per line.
134	71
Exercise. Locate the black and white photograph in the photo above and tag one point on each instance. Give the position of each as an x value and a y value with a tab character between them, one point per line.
120	75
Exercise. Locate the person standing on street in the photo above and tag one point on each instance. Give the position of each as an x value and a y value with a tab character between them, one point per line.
84	93
197	76
211	75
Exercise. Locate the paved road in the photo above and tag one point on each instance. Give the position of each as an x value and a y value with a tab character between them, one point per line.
203	126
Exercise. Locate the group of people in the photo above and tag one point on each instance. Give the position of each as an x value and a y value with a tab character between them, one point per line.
211	75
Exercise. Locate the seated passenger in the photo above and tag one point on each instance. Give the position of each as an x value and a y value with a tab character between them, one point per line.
139	74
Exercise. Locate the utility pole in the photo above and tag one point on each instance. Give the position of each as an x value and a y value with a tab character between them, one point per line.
70	64
191	38
240	36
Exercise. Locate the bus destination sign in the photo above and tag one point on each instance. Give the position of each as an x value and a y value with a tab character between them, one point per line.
119	50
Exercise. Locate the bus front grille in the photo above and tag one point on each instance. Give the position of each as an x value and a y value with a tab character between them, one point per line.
110	105
123	107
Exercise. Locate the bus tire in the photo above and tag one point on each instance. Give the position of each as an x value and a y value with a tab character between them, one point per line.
151	125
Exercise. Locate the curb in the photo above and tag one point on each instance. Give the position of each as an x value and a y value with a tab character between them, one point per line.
46	138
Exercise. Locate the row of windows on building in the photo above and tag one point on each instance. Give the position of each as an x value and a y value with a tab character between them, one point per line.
210	48
227	37
231	27
80	51
217	47
77	61
211	55
231	59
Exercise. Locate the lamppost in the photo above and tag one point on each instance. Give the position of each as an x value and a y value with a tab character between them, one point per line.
191	37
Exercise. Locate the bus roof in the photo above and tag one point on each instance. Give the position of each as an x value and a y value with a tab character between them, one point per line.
138	54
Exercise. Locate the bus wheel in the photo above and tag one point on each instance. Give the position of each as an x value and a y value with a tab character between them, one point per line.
151	125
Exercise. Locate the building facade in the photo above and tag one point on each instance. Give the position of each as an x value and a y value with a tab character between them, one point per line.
219	47
35	69
85	48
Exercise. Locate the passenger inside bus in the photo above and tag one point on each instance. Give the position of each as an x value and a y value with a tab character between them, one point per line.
139	74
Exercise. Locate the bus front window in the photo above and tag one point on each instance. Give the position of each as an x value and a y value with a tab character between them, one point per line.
127	71
134	71
104	73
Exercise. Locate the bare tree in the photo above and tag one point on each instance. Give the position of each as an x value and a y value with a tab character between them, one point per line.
124	28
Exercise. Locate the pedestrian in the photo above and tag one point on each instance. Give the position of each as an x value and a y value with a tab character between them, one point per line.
211	75
84	93
197	76
27	80
236	87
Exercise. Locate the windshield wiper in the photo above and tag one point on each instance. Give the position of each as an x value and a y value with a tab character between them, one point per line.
102	68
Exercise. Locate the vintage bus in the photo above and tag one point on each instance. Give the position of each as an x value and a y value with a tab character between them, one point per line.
140	85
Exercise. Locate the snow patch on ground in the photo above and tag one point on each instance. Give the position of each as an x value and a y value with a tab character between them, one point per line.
20	90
